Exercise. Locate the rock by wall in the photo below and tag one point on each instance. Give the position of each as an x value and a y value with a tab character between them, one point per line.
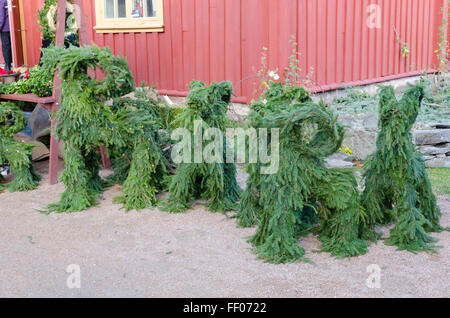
362	130
434	144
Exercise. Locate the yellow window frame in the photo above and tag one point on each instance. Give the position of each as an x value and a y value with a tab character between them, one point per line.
128	24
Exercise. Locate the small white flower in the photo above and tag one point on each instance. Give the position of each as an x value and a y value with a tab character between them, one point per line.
274	75
264	101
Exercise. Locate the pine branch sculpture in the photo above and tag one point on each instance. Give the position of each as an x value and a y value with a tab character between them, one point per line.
303	193
214	181
15	154
397	188
85	123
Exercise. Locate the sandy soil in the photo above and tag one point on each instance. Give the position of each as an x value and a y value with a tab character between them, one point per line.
195	254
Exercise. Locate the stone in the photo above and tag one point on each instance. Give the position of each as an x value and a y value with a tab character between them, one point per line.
442	126
361	131
438	163
370	122
361	142
431	137
337	164
435	150
342	156
40	122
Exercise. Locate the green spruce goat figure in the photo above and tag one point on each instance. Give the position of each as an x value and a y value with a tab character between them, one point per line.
15	154
397	188
303	192
195	178
85	123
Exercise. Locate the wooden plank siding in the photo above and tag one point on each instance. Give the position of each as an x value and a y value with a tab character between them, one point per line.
214	40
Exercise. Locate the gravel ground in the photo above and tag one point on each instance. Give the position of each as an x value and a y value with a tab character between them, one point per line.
194	254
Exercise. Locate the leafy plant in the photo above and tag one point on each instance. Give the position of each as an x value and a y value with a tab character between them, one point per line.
17	155
397	188
303	196
215	181
39	81
404	46
85	123
443	52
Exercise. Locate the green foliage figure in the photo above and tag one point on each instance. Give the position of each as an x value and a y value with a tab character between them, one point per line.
13	153
85	123
303	193
215	181
397	186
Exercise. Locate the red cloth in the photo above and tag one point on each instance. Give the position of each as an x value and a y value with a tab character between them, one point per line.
3	72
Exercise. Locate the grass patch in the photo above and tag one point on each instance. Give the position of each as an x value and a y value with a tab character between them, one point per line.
440	180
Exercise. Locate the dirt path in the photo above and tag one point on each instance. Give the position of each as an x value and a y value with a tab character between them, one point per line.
195	254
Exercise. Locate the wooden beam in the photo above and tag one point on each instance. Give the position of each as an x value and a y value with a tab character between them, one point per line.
81	22
28	98
54	144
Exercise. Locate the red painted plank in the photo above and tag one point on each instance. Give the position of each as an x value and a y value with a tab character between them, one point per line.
391	38
429	31
202	42
130	52
153	59
288	29
233	53
312	38
302	34
165	45
360	24
403	32
420	35
349	39
217	40
177	44
188	18
379	41
141	58
415	34
331	37
275	18
321	67
253	41
340	45
371	48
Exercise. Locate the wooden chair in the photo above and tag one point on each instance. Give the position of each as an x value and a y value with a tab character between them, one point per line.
52	103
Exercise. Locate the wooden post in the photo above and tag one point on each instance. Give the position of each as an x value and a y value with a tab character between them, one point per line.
81	23
54	144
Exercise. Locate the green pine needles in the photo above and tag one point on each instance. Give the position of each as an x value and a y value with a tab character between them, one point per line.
214	181
17	155
397	186
85	123
304	195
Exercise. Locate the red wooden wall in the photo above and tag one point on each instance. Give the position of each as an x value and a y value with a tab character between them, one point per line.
214	40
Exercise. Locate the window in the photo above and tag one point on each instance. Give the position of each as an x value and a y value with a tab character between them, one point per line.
115	16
